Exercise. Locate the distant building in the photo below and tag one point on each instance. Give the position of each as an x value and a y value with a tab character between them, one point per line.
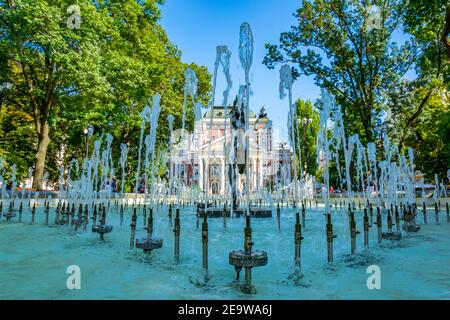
197	163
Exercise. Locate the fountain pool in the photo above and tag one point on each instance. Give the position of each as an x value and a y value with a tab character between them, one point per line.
34	259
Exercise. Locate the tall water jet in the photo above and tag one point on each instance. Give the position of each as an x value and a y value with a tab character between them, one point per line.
30	176
236	150
156	108
373	172
123	159
107	169
14	182
145	118
246	58
190	89
224	56
151	243
170	119
286	83
196	137
323	155
323	145
247	258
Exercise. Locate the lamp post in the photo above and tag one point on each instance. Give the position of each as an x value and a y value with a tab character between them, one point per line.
85	133
88	132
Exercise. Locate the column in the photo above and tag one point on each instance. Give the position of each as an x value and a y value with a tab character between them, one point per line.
261	175
200	172
207	176
222	175
254	186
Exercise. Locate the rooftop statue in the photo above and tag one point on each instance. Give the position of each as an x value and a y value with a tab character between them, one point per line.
236	146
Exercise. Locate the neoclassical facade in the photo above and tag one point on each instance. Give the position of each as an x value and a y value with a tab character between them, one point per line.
202	158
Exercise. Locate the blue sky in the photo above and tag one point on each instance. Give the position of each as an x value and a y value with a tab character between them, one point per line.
198	26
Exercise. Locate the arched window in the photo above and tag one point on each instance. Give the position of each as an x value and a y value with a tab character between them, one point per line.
215	187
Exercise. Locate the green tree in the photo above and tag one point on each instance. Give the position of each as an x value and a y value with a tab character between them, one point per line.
54	62
16	141
429	23
419	109
334	43
428	135
101	74
306	131
445	36
138	63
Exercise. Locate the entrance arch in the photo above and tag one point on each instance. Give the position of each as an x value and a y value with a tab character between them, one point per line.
214	187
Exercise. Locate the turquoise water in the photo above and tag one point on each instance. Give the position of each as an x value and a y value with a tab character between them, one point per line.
34	259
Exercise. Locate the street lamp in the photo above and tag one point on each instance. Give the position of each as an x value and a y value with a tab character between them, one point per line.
88	132
85	133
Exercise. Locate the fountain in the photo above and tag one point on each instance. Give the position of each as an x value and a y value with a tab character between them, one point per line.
409	225
148	244
298	242
133	228
330	237
246	258
33	213
379	226
11	213
448	212
205	244
383	181
47	211
353	232
177	231
390	235
101	228
366	229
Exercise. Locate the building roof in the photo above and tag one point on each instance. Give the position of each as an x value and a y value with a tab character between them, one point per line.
219	113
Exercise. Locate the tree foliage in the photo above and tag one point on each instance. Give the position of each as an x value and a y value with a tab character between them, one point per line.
333	42
420	108
306	131
337	43
100	74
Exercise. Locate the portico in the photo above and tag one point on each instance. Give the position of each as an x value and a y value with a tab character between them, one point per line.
206	164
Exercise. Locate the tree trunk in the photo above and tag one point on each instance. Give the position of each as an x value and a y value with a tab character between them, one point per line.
41	154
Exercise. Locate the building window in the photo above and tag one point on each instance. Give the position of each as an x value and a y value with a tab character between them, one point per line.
215	170
196	172
215	187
